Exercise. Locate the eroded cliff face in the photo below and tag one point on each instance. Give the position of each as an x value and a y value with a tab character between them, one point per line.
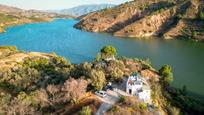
154	24
189	25
146	18
113	19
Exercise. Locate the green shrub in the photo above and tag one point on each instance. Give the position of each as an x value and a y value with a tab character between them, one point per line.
165	69
144	7
35	62
114	109
170	1
179	16
194	34
4	98
166	73
98	57
85	111
143	106
117	74
201	16
122	99
146	63
168	78
59	62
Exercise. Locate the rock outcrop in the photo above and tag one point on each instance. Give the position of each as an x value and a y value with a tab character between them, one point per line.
147	18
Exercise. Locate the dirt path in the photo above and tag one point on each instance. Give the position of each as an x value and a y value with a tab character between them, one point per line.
108	101
11	60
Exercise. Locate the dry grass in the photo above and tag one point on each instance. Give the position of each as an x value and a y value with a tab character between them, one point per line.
90	100
11	60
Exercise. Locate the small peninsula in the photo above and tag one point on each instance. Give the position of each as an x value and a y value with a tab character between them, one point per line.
11	16
40	83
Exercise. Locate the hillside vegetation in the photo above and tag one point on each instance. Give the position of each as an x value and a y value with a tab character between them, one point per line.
147	18
39	83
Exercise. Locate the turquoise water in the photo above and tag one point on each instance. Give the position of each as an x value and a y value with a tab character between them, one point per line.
186	57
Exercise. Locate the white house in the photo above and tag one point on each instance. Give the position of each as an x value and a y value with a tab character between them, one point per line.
145	94
137	86
134	84
110	58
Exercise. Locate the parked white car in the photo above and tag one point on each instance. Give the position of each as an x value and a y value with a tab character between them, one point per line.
101	93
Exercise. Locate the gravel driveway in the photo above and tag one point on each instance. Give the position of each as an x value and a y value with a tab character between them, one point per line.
111	98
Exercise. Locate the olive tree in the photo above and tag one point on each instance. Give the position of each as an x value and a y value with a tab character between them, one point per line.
97	79
117	74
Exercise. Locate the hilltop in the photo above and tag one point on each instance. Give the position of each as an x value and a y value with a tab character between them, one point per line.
10	16
7	9
83	9
146	18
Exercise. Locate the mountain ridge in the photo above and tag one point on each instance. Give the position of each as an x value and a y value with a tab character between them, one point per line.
83	9
147	18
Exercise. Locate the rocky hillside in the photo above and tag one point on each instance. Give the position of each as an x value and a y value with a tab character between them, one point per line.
147	18
10	16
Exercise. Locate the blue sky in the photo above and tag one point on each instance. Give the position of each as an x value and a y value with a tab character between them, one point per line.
55	4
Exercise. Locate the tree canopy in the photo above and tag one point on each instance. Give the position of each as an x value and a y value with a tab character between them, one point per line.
166	73
97	79
109	50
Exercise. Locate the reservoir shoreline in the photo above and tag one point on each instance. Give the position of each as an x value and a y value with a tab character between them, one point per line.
185	57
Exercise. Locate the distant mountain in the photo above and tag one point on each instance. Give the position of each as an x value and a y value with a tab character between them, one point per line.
7	9
10	16
83	9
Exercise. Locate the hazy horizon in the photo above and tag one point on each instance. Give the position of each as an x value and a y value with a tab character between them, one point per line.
55	4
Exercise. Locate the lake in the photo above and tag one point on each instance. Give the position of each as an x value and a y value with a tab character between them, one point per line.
59	36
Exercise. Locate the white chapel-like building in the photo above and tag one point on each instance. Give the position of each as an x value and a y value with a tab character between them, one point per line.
137	86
